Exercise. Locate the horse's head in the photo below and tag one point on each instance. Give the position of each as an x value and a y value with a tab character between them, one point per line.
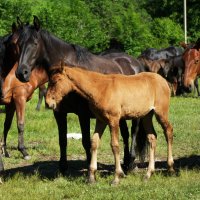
58	87
191	58
28	39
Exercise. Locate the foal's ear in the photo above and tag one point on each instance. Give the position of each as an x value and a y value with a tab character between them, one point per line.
36	22
62	65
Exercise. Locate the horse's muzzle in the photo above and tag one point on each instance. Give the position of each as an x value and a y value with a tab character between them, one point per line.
189	88
23	73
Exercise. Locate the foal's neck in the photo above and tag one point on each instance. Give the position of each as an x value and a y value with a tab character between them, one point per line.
86	83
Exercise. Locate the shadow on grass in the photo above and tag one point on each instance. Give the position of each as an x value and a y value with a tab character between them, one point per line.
77	168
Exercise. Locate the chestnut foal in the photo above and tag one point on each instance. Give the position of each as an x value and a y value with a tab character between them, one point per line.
116	96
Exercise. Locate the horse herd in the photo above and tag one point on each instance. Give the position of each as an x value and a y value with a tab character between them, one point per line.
30	56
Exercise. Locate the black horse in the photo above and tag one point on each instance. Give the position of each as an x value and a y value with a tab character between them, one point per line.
154	54
39	47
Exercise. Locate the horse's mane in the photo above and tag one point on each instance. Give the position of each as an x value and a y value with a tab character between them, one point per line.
82	54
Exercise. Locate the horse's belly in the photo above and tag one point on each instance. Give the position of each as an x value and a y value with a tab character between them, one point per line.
136	111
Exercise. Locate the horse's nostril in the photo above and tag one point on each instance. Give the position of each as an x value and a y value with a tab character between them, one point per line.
25	72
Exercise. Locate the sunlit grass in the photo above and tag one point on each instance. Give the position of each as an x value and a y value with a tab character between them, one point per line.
39	178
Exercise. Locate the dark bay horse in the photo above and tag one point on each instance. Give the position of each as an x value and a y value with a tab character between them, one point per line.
15	94
39	47
116	96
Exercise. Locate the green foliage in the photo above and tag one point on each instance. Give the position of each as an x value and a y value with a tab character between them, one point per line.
170	32
38	178
102	24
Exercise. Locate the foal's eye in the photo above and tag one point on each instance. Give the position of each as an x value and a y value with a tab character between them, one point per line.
196	61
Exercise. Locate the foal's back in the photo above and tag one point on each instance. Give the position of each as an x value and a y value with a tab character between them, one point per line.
127	96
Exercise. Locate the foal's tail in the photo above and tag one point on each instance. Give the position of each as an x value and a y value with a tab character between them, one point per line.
141	142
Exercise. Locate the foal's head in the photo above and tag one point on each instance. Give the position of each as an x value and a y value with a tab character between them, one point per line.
59	86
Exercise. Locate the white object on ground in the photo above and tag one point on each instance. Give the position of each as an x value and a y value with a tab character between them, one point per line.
75	136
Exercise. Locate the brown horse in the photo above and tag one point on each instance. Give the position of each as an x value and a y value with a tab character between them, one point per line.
191	58
161	66
113	97
15	94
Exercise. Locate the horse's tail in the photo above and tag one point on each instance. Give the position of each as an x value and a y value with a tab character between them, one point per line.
141	142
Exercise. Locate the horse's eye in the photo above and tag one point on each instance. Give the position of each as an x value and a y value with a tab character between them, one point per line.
196	61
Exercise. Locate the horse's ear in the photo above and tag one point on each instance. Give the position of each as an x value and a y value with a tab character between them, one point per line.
14	27
36	22
184	45
19	22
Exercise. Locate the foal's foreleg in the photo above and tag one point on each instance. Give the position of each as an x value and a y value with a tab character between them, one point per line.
10	110
99	129
20	104
114	129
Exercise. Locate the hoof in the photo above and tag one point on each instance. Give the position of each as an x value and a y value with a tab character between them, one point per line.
91	181
1	182
27	157
7	155
114	182
63	168
146	177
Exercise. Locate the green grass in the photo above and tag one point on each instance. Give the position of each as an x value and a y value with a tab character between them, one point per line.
39	178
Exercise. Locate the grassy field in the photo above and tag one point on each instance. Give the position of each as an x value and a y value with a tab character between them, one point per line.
39	178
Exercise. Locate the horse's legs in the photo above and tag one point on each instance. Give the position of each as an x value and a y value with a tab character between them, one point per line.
85	129
114	129
42	93
10	110
20	104
151	136
125	136
61	119
162	118
134	132
99	129
1	168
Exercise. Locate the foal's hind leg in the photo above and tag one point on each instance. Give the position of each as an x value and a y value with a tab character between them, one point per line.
114	129
99	129
10	110
152	137
162	118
